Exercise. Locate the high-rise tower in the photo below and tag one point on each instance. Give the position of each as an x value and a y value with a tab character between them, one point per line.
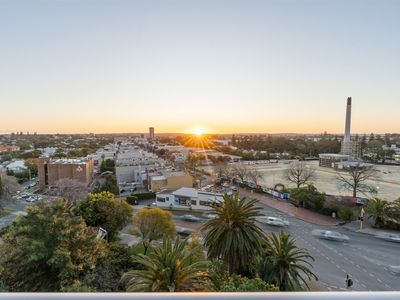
151	133
346	143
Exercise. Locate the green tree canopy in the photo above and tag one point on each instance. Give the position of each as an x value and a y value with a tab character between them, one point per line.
110	185
233	235
107	165
168	268
283	264
152	224
238	283
8	187
48	249
377	209
103	210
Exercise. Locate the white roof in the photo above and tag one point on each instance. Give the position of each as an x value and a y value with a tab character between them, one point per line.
158	178
18	164
186	192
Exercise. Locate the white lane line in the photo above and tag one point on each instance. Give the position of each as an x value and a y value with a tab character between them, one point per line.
380	281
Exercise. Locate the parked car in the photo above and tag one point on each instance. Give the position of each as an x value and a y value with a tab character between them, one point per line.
273	221
191	218
389	236
31	199
330	235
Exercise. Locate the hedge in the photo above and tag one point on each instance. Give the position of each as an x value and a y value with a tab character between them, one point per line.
132	200
144	196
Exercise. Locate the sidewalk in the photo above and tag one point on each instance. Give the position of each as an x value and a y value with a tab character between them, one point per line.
284	206
367	228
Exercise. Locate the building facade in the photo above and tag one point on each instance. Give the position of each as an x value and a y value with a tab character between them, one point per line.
151	133
170	180
187	199
50	171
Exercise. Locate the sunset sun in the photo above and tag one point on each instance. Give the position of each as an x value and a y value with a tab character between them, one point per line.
198	132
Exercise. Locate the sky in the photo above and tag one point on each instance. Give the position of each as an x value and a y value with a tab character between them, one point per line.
78	66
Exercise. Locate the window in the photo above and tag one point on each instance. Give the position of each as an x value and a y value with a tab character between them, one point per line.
204	203
160	199
183	201
193	202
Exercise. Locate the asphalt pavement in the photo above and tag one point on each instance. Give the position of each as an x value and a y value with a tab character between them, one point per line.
366	258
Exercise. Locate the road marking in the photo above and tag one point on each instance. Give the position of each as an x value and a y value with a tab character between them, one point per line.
363	285
380	281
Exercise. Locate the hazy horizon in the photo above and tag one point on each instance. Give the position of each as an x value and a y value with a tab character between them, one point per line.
203	133
216	66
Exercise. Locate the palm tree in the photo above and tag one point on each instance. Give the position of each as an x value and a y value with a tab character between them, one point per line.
233	236
284	264
168	268
377	210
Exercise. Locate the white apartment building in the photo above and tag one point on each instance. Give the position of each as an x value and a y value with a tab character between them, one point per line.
133	163
107	152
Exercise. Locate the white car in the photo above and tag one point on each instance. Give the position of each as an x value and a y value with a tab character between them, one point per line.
31	199
388	236
211	216
273	221
395	269
330	235
191	218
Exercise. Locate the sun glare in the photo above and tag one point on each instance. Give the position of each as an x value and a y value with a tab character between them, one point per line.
198	132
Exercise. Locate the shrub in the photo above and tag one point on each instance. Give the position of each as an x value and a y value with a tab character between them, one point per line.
307	197
346	214
328	211
144	196
132	200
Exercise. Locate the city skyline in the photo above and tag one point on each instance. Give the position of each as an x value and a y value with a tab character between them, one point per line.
219	67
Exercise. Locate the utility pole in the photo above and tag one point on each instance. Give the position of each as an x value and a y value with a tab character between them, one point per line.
361	218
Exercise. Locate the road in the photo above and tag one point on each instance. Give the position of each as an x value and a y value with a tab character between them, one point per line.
15	208
364	257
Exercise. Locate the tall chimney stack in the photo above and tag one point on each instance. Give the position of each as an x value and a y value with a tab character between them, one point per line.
346	144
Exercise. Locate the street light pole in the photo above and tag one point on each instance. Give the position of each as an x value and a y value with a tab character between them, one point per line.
362	212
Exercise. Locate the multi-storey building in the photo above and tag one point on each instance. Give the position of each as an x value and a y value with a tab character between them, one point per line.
50	170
